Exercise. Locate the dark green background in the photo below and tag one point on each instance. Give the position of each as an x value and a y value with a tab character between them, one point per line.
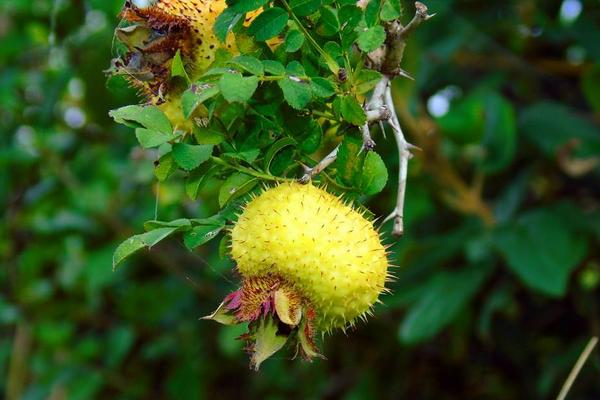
494	312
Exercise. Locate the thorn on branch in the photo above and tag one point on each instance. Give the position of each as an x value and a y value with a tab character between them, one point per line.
309	173
368	142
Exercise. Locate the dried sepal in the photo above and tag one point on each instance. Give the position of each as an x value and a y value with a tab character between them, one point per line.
288	306
276	313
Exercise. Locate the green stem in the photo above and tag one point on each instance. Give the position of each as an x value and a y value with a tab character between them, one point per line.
323	115
331	63
250	171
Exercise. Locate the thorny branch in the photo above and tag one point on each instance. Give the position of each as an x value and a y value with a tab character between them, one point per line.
380	106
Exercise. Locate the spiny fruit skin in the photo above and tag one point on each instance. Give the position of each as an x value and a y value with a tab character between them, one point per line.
328	251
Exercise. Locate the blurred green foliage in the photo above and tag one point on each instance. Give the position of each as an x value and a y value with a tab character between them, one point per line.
497	310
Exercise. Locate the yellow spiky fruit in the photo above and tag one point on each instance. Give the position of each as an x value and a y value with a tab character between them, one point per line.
324	248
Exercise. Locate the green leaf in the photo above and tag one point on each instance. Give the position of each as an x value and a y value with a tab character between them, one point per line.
237	88
137	242
127	248
348	163
390	10
303	8
371	39
189	156
322	87
274	67
443	299
249	155
149	139
590	85
201	234
181	224
276	148
196	95
225	23
177	68
268	24
352	111
366	80
236	185
166	166
207	135
542	250
329	22
196	179
374	174
334	50
149	117
295	68
296	92
550	126
500	134
244	6
293	40
249	63
372	12
311	140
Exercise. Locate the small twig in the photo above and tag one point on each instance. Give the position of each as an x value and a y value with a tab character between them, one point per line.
321	165
376	111
18	369
395	43
577	368
420	16
368	142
